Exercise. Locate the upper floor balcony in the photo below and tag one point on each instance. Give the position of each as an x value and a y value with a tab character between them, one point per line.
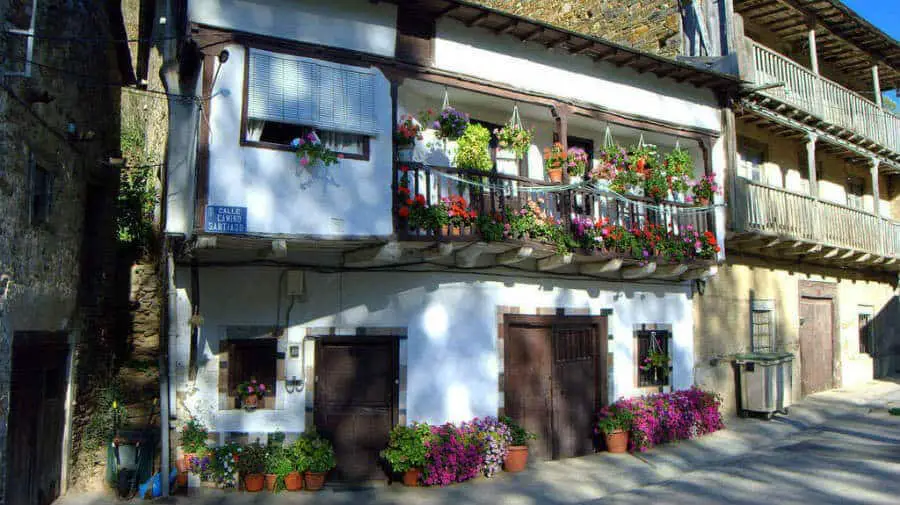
823	103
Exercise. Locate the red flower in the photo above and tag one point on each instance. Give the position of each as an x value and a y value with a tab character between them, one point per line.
403	190
420	199
718	248
409	201
404	168
403	212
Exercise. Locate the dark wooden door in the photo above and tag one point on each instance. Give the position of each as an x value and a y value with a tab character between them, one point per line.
575	371
528	385
36	420
355	402
816	344
554	382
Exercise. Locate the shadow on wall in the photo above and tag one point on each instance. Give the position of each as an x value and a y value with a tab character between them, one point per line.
886	358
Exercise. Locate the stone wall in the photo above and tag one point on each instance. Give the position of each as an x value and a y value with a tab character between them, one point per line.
648	25
64	117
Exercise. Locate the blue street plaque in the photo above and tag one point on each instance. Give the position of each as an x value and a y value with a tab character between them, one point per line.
222	219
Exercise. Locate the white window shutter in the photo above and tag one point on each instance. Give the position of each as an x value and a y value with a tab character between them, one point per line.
307	92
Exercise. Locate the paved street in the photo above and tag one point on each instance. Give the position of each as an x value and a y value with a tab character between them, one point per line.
836	447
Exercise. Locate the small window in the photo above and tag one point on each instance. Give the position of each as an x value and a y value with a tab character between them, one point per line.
866	333
41	200
252	359
20	37
654	360
762	331
280	135
753	156
856	188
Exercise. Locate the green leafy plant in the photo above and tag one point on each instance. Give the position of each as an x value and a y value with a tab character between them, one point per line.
311	150
492	228
223	462
615	419
318	452
110	414
251	387
407	447
279	463
517	434
514	137
472	149
656	184
194	437
297	453
252	459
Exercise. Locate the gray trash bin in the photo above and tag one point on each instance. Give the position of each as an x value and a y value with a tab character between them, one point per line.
766	382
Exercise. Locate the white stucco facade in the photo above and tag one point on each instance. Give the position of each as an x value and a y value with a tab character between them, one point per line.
450	351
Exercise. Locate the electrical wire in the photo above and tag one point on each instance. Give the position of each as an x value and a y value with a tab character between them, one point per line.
92	39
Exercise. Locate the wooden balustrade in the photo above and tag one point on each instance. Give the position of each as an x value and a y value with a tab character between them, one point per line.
774	211
824	98
501	194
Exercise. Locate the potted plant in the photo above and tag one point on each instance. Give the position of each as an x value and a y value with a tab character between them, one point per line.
472	149
450	124
679	167
193	441
704	189
319	459
251	464
406	451
656	362
311	151
250	392
555	158
614	423
409	130
517	457
459	216
293	481
274	455
513	142
576	163
656	184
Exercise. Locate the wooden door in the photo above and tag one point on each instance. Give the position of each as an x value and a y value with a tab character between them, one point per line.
527	389
554	381
36	421
355	401
575	391
816	344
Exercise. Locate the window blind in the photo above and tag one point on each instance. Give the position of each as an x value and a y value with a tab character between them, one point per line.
302	91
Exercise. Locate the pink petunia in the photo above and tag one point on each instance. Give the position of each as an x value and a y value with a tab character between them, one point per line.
262	387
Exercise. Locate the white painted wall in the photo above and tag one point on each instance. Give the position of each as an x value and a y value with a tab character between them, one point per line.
451	319
505	59
358	25
352	198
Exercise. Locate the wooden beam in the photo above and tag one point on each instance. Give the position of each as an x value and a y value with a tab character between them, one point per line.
477	19
606	267
555	262
639	272
670	271
514	256
533	34
366	256
582	48
506	27
468	257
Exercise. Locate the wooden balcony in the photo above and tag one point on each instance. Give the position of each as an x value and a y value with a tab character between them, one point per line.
846	113
500	196
777	222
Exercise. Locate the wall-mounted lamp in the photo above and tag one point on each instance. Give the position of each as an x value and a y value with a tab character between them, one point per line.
294	385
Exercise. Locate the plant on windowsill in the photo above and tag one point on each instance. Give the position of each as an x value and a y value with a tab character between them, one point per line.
311	151
576	162
251	463
250	392
193	441
407	450
615	422
517	455
319	458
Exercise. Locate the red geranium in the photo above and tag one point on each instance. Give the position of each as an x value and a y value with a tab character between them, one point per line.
403	212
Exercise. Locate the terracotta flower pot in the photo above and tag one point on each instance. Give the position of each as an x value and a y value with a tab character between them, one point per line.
445	230
411	477
516	458
293	481
181	480
555	174
182	464
250	402
617	441
271	480
455	231
253	483
315	481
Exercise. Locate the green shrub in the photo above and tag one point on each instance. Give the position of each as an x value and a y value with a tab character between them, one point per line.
406	448
472	149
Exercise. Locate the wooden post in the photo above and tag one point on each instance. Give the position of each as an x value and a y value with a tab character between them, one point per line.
813	56
876	194
876	85
811	164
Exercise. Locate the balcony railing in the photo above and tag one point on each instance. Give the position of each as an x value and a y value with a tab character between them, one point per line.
496	194
774	211
824	98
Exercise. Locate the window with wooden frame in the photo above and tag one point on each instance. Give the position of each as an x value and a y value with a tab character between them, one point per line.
40	192
762	326
289	96
654	360
255	358
866	329
856	188
19	20
753	156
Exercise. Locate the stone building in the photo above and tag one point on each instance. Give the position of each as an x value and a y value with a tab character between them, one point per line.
59	141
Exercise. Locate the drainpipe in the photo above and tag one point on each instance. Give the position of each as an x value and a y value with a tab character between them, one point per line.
171	306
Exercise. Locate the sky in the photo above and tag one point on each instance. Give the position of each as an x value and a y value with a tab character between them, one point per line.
885	15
